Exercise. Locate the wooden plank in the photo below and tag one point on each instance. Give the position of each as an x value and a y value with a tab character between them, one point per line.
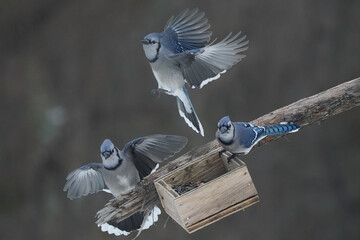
233	164
168	189
224	213
201	170
167	201
215	196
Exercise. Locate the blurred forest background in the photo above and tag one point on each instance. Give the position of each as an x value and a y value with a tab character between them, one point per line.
73	73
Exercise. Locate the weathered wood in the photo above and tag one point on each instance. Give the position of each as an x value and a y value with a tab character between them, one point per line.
216	217
166	196
219	188
233	164
192	172
304	112
215	196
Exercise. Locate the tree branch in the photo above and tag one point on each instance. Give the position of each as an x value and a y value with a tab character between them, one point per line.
304	112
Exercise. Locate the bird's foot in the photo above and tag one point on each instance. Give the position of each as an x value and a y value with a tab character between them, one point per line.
231	158
221	152
157	92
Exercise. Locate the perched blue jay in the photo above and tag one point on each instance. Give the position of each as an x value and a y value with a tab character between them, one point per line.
240	137
120	171
182	53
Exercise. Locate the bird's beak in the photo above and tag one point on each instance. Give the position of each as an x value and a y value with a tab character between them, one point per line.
144	41
223	129
106	154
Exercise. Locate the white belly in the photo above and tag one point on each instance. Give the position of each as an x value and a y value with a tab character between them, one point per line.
120	181
238	149
168	76
235	148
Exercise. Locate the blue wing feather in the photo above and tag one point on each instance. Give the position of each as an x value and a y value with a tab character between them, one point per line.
132	143
200	66
259	133
147	151
95	166
248	133
188	30
85	180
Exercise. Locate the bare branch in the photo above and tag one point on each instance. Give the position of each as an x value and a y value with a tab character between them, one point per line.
304	112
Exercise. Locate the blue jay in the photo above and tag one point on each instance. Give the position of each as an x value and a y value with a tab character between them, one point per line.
120	171
182	53
240	137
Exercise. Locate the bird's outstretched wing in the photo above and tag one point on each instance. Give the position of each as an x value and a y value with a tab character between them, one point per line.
85	180
201	66
188	30
147	151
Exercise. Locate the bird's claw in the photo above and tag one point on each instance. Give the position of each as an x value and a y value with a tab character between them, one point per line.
221	152
157	92
230	158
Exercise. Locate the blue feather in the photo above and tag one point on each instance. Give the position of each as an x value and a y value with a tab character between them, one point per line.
131	143
224	121
281	128
106	146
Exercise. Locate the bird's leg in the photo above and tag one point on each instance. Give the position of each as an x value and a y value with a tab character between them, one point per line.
231	157
156	92
221	152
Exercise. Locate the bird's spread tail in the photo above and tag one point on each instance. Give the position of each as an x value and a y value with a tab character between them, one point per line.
188	113
281	128
136	222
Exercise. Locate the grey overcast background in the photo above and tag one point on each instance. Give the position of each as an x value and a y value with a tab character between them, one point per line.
73	73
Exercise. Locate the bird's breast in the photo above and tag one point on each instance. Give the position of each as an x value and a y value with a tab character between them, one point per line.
168	75
123	179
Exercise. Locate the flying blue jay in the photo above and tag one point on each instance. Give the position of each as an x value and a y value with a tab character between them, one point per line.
240	137
182	53
120	171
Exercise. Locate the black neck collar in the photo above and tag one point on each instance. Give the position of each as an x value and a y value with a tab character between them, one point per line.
225	142
157	54
119	161
114	167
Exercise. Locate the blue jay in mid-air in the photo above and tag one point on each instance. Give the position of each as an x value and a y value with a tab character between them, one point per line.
182	53
119	173
240	137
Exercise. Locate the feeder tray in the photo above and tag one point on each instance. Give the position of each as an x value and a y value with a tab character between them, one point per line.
206	190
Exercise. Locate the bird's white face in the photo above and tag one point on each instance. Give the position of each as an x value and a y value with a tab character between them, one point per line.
111	159
151	45
225	132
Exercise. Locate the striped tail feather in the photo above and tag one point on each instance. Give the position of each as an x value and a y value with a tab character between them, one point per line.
281	128
189	116
136	222
124	227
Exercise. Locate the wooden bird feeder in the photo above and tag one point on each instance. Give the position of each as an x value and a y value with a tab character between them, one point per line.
206	190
